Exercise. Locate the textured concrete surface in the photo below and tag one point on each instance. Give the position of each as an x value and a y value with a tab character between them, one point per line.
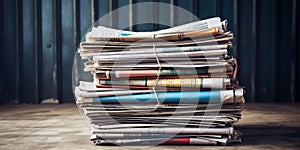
264	126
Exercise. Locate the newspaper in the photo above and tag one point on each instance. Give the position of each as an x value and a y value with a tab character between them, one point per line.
172	86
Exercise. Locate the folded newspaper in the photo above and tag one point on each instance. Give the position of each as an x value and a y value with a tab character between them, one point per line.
172	86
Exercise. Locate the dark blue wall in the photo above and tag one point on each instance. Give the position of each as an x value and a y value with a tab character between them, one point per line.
39	39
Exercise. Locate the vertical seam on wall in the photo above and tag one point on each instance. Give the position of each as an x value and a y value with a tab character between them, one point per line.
38	56
115	14
76	17
130	15
1	52
57	78
276	71
172	13
219	7
18	46
155	15
110	13
293	63
297	95
254	38
195	6
92	12
96	9
236	26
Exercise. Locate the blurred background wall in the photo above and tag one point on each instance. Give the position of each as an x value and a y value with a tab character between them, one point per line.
39	40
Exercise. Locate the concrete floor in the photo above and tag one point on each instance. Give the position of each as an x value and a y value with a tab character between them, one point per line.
264	126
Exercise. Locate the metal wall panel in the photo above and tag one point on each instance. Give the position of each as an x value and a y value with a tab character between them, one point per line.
245	49
286	52
296	39
68	40
9	56
29	90
48	49
39	40
2	100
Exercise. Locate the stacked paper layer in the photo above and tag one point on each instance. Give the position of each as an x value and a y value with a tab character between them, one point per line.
173	86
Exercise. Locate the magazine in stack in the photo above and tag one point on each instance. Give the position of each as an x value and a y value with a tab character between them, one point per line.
172	86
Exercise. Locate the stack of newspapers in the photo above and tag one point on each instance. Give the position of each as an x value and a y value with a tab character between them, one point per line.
172	86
